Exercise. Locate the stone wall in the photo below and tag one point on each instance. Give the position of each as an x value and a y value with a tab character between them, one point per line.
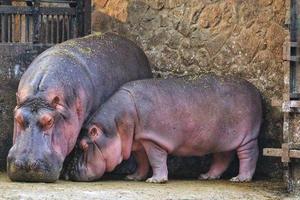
191	37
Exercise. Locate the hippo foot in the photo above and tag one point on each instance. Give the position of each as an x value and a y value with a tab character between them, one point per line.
240	179
134	177
157	180
208	177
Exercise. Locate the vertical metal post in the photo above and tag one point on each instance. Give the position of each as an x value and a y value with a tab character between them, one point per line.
52	29
3	28
47	29
286	123
79	19
87	18
57	29
36	21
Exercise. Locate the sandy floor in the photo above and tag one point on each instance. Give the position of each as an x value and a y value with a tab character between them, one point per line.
174	189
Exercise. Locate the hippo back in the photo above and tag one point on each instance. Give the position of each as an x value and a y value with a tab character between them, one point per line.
98	64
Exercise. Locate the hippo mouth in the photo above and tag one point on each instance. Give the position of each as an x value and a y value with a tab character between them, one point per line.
38	171
32	167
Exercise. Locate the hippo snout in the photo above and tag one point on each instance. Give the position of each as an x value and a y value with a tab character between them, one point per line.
77	173
30	168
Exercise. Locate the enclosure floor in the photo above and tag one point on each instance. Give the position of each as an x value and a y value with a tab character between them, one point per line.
174	189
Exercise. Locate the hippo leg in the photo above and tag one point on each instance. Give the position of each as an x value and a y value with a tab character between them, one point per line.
247	154
142	166
158	161
220	163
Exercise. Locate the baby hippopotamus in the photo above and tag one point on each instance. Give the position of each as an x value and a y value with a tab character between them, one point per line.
154	117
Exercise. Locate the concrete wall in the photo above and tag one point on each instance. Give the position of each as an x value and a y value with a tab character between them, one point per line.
190	37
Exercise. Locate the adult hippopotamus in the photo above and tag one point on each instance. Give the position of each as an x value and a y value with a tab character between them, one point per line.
60	89
154	118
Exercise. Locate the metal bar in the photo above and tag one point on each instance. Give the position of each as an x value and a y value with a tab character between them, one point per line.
74	27
57	1
8	28
31	28
295	104
272	152
79	18
294	153
42	31
3	28
52	30
285	153
87	16
287	51
286	117
57	29
43	10
36	29
13	28
294	58
20	28
68	27
63	29
286	99
279	152
26	21
47	29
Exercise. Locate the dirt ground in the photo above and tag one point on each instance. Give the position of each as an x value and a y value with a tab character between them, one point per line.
174	189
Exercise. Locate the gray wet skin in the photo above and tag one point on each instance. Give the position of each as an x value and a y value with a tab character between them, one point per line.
153	118
60	89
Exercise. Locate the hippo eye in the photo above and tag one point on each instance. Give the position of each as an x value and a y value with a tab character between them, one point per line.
19	119
46	121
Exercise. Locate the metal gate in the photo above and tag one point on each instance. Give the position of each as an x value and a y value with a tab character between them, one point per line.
45	22
26	29
290	149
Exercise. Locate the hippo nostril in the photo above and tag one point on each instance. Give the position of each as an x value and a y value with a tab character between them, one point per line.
27	166
37	165
33	166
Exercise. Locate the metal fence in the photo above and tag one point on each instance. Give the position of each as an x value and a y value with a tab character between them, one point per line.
48	24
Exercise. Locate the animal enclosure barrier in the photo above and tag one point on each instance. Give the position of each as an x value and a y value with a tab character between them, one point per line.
43	23
290	149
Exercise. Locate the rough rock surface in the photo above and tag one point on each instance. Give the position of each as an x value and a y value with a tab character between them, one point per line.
190	37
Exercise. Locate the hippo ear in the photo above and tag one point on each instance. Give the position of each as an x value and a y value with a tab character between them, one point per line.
55	101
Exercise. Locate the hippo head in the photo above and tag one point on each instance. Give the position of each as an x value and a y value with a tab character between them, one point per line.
101	152
45	132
